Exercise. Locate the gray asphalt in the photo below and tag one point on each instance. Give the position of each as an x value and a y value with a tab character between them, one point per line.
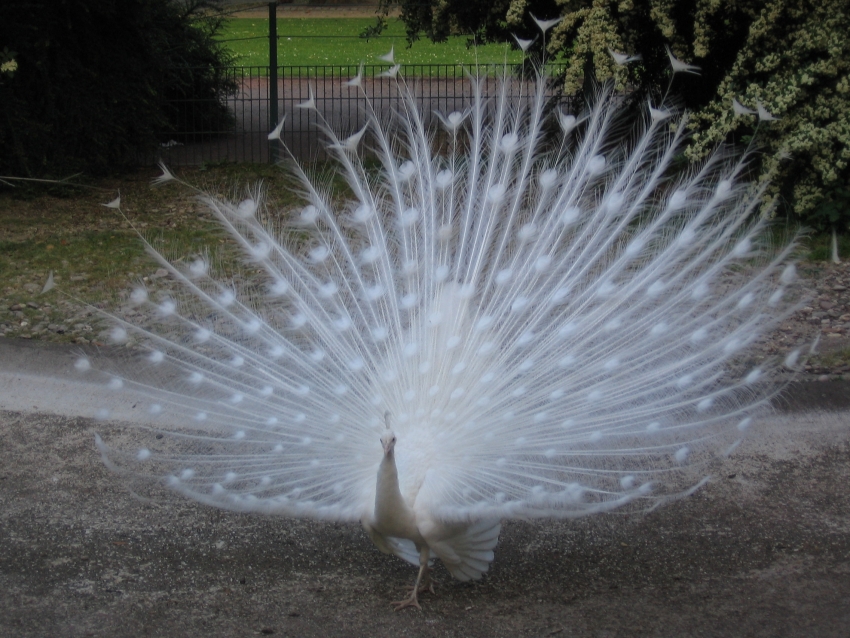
762	550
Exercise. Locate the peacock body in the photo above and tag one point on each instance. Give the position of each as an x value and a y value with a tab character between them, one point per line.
537	322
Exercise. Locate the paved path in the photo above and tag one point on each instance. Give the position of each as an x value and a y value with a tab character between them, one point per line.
763	550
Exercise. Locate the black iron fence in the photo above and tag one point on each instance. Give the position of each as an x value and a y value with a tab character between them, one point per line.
438	89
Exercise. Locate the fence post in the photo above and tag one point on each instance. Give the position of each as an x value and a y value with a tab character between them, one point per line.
273	114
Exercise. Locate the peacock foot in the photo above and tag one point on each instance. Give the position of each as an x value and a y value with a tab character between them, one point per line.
410	601
426	585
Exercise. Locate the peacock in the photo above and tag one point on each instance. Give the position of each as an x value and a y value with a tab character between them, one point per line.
518	312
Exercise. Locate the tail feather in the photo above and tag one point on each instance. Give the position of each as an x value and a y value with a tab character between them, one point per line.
558	327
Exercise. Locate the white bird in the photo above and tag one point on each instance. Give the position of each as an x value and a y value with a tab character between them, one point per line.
523	44
530	324
764	114
545	25
465	549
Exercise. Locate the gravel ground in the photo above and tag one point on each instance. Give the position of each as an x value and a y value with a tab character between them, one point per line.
763	550
825	290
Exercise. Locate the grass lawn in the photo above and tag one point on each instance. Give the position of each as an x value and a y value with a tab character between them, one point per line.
336	41
96	256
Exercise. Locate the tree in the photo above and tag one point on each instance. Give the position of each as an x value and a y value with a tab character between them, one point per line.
94	81
789	58
794	65
437	20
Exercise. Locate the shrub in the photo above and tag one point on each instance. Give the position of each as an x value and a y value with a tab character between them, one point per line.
94	78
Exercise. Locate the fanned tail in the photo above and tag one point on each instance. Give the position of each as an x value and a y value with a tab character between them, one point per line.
558	323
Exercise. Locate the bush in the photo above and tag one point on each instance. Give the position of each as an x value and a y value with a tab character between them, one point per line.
94	78
791	58
795	62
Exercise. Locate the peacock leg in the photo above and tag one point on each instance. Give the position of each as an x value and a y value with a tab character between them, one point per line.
423	583
427	583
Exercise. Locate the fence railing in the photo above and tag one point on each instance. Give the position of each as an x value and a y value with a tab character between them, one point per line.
244	138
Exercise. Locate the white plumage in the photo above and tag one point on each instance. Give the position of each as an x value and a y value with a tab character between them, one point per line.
545	315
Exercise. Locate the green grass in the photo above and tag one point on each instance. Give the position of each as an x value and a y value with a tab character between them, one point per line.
333	42
95	256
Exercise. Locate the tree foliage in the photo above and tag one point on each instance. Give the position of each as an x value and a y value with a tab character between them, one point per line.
95	80
789	57
437	20
795	64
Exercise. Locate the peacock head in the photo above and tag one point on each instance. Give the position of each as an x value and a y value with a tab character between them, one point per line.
388	441
388	437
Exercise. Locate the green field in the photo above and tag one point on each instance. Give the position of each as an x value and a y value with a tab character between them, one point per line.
335	41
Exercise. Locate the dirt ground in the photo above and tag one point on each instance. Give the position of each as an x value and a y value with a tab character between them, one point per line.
762	550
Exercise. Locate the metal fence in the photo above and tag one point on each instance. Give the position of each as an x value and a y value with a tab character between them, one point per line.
437	88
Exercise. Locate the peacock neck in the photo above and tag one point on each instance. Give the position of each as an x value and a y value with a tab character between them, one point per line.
393	516
388	493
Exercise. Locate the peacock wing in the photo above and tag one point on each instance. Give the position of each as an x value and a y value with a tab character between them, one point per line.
466	549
